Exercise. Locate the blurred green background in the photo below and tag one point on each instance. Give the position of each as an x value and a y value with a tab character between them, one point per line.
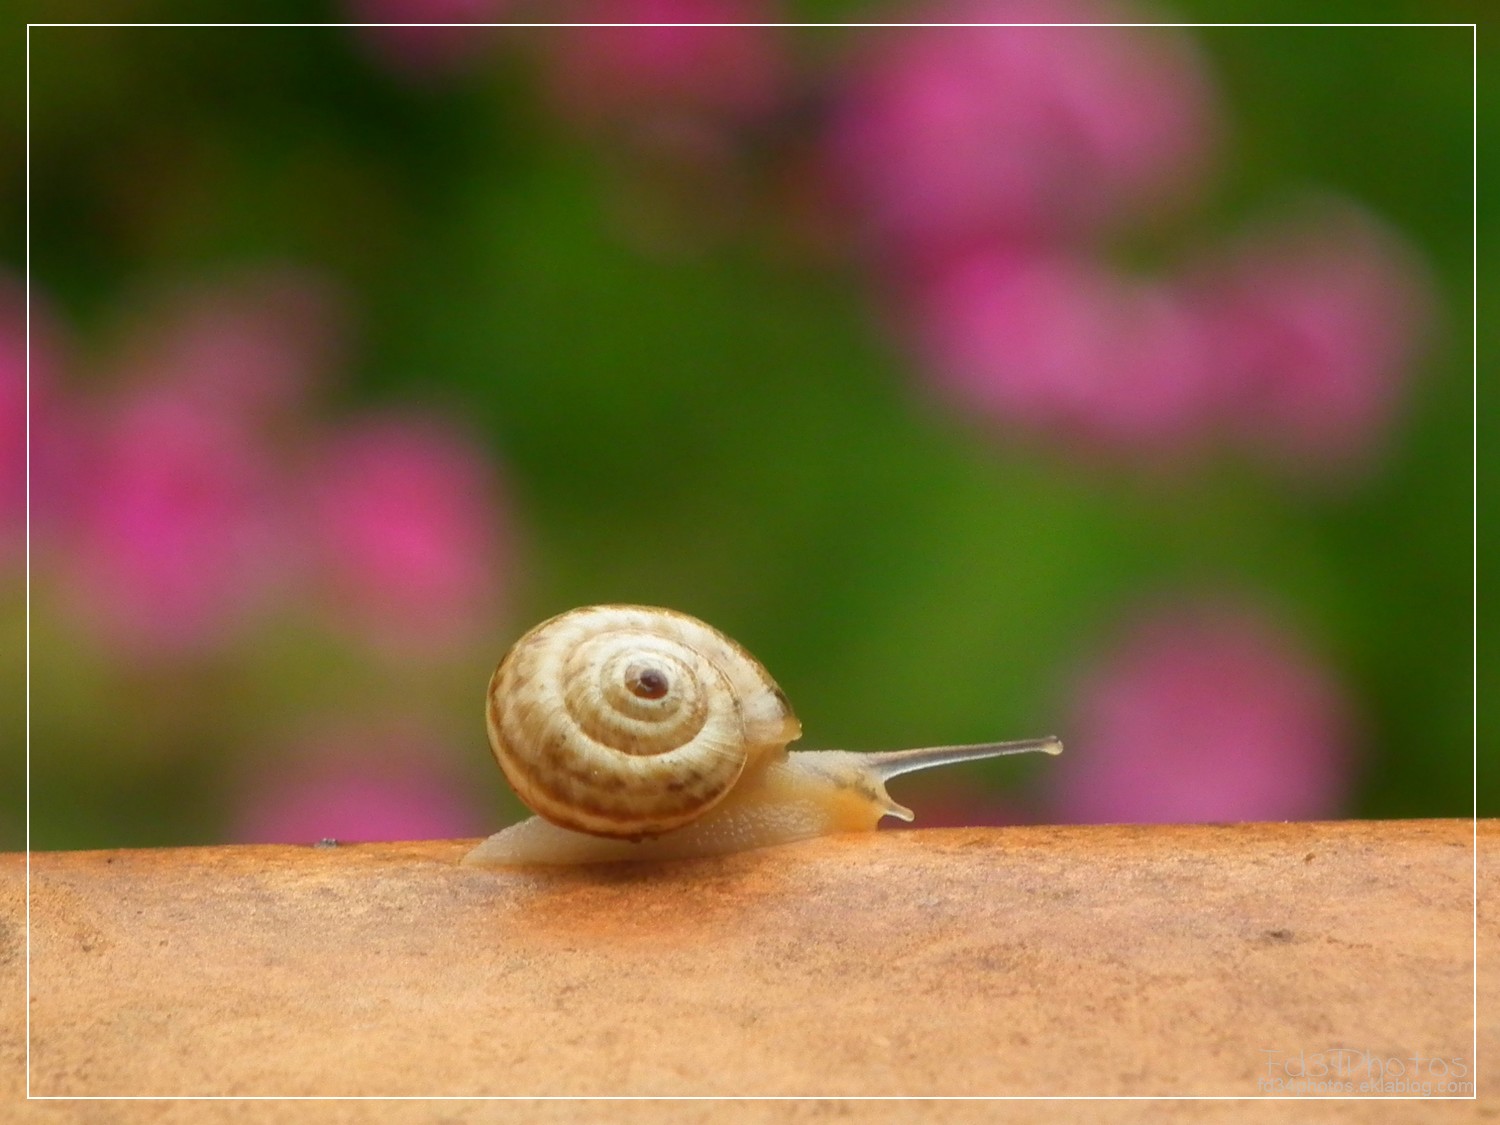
716	413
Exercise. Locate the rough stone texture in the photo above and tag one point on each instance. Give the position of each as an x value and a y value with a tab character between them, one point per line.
1098	960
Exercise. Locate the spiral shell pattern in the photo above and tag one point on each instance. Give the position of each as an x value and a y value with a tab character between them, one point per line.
629	721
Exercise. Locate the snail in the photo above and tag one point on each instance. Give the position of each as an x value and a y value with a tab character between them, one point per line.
642	733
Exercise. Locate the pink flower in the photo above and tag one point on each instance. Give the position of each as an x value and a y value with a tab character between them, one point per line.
177	538
606	74
1206	712
1055	344
175	521
427	52
949	134
249	348
12	416
1317	327
386	782
407	531
51	462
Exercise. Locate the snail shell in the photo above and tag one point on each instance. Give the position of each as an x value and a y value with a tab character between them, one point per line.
637	732
629	722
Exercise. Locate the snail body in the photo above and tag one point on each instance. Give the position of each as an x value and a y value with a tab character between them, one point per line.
642	733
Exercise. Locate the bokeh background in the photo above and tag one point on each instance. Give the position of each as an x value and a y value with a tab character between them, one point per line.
985	383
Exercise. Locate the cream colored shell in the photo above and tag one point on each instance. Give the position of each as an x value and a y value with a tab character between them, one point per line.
630	721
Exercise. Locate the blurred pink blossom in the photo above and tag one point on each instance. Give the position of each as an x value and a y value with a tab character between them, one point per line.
428	52
1317	327
1057	344
1207	712
386	782
407	530
12	416
179	531
945	135
178	538
249	348
611	74
52	465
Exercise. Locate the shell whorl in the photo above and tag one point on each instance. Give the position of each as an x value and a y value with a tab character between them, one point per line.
629	721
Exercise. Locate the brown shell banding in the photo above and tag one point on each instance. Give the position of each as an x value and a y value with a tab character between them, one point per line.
598	698
586	753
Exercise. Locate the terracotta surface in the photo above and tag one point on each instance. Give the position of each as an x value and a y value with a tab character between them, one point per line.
1100	960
